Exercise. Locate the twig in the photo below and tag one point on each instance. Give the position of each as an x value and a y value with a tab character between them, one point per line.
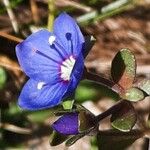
11	16
103	81
110	111
9	67
70	3
74	4
9	64
14	128
34	10
114	5
107	11
105	15
10	37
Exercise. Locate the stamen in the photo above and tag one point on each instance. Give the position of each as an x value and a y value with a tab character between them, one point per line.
40	85
46	56
59	48
51	39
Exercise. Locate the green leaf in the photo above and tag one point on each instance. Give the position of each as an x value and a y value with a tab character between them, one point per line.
2	78
57	138
89	42
145	85
116	140
124	118
133	94
68	104
73	139
123	69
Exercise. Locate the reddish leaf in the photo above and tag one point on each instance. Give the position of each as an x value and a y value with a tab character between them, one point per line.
123	69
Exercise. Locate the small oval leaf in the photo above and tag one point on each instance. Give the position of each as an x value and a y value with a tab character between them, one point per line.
124	118
116	140
57	138
123	69
73	139
145	85
133	94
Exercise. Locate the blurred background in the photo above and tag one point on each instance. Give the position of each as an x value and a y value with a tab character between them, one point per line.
115	24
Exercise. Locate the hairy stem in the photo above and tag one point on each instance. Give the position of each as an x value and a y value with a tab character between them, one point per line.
110	111
103	81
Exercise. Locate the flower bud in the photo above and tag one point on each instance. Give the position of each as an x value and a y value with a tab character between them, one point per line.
75	122
67	124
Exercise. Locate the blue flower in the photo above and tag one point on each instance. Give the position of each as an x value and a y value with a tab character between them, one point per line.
54	63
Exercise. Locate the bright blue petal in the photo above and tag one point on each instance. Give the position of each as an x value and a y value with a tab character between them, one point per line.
38	59
68	33
32	98
67	124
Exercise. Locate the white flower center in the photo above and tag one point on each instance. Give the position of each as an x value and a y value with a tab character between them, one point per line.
40	85
67	67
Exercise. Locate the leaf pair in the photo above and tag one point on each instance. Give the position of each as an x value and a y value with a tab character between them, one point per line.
123	73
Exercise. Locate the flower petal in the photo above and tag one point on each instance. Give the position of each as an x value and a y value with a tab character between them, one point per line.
38	59
67	124
69	34
35	95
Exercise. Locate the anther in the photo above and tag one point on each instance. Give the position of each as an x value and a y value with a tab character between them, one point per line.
40	85
51	39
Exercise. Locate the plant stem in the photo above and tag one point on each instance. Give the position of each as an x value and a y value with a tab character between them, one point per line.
51	9
103	81
104	16
110	111
110	10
